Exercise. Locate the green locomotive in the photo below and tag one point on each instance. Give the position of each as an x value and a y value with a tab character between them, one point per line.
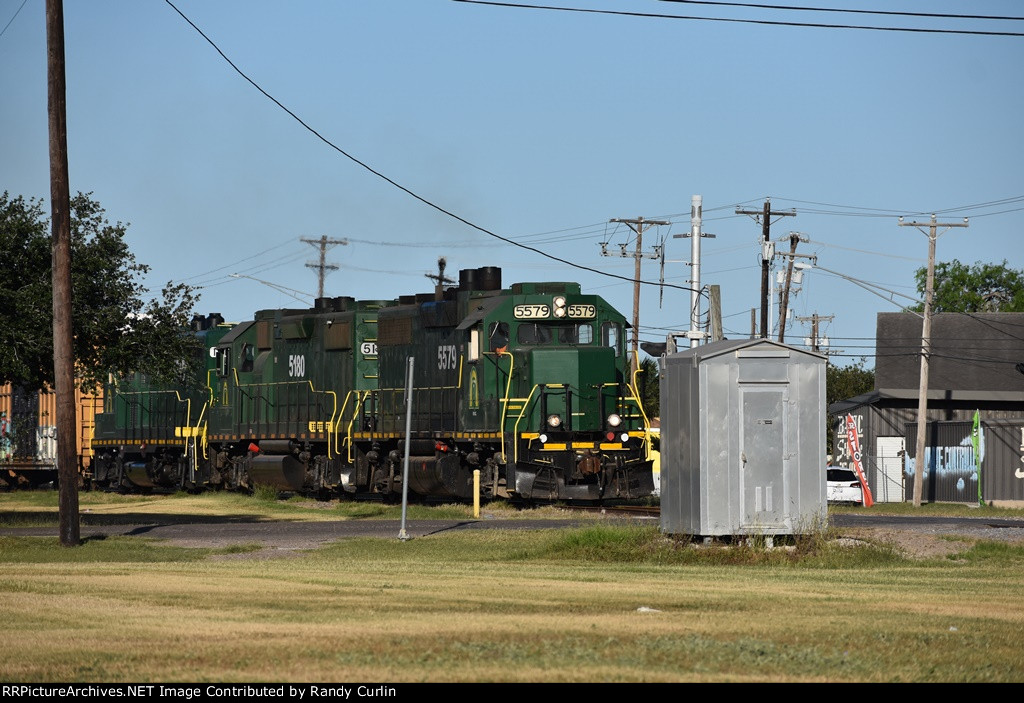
529	386
149	436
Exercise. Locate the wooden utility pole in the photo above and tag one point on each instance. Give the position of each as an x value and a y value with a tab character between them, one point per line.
322	267
69	525
794	239
439	278
637	226
926	331
814	341
767	254
715	312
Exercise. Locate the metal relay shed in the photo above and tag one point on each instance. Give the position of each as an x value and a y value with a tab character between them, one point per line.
743	440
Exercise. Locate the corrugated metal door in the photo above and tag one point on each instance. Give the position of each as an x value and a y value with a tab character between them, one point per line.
762	454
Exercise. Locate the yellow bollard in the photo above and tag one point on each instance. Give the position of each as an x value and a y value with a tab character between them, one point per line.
476	492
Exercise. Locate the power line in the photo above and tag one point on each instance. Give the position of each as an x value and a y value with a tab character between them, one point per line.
16	12
846	11
392	182
738	20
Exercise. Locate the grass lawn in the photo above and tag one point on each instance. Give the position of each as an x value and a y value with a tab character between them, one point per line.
593	604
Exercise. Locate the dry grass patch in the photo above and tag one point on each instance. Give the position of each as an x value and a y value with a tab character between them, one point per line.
563	606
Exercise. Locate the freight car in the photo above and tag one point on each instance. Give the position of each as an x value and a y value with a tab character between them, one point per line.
28	435
527	385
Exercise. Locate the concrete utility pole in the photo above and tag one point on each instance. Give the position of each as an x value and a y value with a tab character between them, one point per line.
696	208
322	267
767	253
69	525
926	331
637	226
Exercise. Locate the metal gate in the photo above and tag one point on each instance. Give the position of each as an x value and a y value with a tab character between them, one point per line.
889	469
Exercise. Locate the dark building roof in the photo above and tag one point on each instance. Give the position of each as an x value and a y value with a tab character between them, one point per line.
974	355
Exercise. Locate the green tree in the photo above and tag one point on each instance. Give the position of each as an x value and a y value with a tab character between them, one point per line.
977	288
842	382
115	329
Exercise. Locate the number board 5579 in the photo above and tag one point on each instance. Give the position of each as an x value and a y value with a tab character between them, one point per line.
582	312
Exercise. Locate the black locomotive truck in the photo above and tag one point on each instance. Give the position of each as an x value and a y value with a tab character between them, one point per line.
529	386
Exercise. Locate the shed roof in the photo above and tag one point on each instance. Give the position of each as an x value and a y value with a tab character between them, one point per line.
729	346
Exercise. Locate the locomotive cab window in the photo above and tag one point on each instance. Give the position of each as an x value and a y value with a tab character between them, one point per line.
576	334
498	336
533	333
611	336
547	333
246	358
474	345
223	361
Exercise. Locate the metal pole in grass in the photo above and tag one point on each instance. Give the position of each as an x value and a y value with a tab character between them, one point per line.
476	492
402	534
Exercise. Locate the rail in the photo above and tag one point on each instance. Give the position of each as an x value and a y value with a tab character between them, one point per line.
154	414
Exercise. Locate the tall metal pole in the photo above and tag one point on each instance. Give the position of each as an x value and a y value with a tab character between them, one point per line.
695	222
926	331
63	350
696	216
402	534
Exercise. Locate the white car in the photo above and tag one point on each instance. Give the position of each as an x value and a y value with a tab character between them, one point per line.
842	486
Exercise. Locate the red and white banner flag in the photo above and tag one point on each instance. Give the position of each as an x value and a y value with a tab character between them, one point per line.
854	445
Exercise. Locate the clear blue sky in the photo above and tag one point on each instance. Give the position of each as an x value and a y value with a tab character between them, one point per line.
538	125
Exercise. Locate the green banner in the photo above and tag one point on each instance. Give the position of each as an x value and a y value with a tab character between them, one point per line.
976	441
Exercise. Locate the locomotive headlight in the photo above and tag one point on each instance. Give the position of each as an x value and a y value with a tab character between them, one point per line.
558	303
554	421
614	420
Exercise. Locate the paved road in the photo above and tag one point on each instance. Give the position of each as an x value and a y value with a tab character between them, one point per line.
212	531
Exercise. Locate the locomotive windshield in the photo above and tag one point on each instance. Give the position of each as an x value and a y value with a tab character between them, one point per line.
563	333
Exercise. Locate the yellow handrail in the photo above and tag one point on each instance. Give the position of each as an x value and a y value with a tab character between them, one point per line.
340	415
199	423
508	389
636	397
177	395
330	424
522	411
348	430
